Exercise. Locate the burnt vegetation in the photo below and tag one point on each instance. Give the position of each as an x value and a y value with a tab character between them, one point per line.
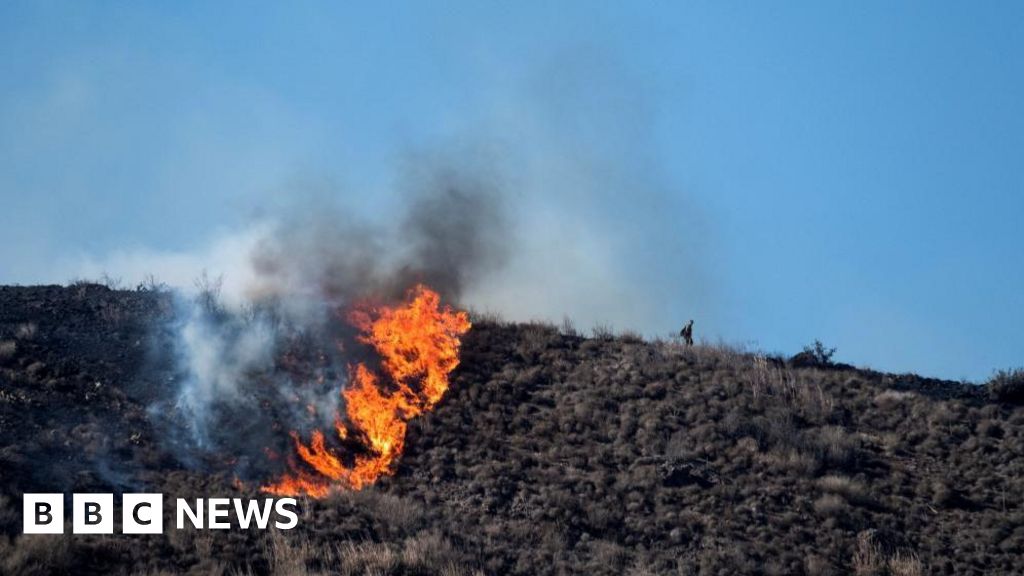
553	453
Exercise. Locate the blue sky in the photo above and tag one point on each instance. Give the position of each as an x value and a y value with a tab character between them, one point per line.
844	171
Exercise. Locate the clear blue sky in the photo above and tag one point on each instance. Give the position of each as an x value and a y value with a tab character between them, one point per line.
856	169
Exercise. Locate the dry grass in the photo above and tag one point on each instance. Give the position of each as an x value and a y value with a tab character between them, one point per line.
816	565
905	564
367	558
851	491
602	332
568	327
830	505
889	399
426	553
631	337
486	317
535	338
289	554
33	554
868	558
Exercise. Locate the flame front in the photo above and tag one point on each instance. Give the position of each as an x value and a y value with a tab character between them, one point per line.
418	345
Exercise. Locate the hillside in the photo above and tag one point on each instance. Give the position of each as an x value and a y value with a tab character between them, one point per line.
551	454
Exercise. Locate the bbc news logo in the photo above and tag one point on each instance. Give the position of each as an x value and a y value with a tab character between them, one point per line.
144	513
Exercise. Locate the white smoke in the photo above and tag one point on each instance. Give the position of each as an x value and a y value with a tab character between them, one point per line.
218	353
226	257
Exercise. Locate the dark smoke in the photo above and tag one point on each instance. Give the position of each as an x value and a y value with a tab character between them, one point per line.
250	374
457	231
451	230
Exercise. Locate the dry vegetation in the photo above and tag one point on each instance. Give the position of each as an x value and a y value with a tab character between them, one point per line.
552	454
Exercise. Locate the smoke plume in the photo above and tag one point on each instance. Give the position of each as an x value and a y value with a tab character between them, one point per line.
450	231
266	359
530	232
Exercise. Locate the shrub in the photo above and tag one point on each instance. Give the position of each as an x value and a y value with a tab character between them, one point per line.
151	284
486	317
1007	386
568	327
852	491
832	446
830	505
631	337
868	558
26	331
208	293
111	282
602	332
817	565
816	354
534	339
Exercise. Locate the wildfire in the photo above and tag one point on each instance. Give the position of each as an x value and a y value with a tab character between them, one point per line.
418	346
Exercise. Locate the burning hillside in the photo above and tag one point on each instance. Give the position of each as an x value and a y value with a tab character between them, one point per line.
504	449
418	347
304	378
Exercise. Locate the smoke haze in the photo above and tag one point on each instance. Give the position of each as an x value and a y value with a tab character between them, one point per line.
528	232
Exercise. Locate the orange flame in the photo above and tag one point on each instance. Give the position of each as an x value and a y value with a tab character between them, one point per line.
418	344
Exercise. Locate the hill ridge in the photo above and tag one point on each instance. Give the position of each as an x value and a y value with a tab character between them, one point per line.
551	454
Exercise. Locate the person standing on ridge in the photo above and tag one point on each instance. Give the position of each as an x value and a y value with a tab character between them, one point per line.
687	333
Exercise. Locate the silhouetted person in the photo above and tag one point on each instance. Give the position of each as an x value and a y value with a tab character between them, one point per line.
687	333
